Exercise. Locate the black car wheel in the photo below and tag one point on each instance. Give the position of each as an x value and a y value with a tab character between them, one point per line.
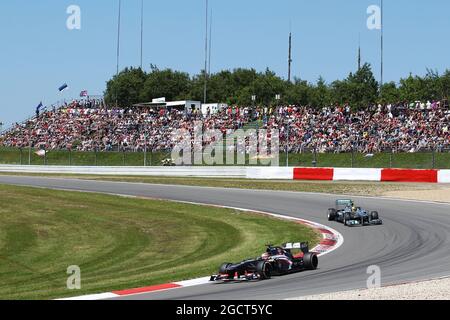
310	261
331	214
374	215
264	269
224	270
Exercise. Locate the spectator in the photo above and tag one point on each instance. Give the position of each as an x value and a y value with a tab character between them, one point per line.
89	125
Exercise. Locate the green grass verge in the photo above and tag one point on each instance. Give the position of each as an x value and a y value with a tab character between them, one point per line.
121	243
423	160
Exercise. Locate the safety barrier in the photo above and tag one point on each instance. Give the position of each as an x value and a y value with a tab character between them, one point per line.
382	175
263	173
444	176
207	172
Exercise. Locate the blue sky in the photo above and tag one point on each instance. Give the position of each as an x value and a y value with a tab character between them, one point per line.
38	53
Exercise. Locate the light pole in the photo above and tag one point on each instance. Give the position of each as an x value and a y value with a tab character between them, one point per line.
29	145
142	31
287	144
118	36
210	43
290	57
382	48
205	89
254	106
118	48
278	98
145	148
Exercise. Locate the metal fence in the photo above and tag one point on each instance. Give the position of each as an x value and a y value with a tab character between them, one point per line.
427	159
32	156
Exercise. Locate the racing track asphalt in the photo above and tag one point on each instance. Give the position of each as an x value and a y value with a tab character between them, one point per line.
413	244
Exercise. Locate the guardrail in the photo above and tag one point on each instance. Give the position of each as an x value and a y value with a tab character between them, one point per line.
263	173
204	172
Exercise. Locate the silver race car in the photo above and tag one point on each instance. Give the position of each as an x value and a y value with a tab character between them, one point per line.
347	213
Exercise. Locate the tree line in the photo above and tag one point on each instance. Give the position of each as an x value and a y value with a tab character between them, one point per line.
360	89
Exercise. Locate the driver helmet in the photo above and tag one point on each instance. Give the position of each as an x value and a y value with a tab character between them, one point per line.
265	256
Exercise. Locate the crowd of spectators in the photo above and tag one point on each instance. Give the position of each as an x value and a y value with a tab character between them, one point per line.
401	127
85	128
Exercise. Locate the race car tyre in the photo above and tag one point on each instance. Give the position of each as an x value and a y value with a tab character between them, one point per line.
310	261
264	269
331	214
346	218
374	215
223	268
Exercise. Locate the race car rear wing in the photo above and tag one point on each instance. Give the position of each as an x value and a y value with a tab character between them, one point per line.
303	246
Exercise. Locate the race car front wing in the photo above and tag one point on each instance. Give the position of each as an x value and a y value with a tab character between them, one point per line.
357	222
236	277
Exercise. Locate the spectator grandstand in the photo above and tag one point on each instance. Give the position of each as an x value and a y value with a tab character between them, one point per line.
90	125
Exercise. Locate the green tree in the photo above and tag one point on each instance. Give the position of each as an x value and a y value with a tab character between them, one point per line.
436	86
237	86
266	86
390	93
445	83
320	94
125	88
359	89
298	92
173	85
225	86
412	88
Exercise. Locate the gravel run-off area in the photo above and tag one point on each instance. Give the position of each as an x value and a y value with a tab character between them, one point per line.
439	193
426	290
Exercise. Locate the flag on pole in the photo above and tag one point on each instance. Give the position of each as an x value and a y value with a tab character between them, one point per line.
63	87
39	107
84	93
